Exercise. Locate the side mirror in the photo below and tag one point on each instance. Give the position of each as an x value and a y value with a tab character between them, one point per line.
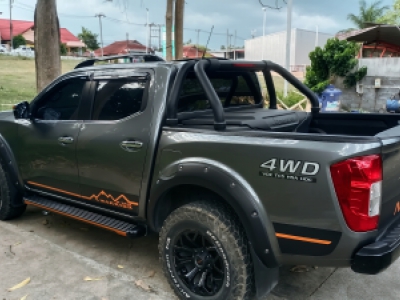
21	110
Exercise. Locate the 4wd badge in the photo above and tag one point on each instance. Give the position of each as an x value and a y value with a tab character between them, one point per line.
290	170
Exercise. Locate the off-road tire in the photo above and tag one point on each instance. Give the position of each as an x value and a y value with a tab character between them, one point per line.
224	228
8	196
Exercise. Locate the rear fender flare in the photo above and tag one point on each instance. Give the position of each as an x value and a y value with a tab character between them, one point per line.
231	187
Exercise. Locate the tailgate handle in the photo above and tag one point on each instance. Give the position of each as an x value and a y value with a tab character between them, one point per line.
131	146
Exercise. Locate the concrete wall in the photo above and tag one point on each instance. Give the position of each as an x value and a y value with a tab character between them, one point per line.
303	42
274	48
373	99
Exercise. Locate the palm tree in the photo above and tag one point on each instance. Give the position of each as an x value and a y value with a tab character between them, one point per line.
369	13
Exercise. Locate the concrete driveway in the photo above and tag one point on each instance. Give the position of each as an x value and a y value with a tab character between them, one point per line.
66	259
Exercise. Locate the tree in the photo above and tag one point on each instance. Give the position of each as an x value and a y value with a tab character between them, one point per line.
392	16
18	40
169	22
223	47
89	38
371	13
179	13
47	43
336	59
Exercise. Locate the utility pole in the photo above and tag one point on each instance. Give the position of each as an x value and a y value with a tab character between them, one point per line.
263	38
234	46
101	15
147	29
288	41
159	37
317	37
198	42
11	26
127	42
227	43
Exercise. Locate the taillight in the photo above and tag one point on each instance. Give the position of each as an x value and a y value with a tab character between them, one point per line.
358	186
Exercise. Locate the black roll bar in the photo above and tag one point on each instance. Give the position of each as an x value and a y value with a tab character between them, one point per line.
172	104
216	105
200	68
270	87
296	83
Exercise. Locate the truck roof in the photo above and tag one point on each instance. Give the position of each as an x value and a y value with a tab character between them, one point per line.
151	61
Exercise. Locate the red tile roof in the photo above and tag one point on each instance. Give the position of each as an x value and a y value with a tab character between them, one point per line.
19	27
120	47
190	51
66	36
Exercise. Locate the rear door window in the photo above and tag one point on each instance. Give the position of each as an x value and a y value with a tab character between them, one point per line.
117	99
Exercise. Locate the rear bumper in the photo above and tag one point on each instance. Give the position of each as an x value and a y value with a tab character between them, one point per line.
376	257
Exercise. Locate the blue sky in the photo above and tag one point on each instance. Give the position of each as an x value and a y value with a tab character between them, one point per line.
244	16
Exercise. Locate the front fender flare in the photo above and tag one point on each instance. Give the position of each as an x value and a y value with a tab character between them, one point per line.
10	166
231	187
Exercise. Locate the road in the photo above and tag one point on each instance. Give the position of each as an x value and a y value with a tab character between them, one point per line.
58	254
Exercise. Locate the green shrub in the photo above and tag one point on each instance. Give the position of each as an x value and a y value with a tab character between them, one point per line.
18	40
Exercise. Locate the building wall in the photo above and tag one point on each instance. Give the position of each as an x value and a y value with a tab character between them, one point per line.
306	42
303	42
274	48
372	99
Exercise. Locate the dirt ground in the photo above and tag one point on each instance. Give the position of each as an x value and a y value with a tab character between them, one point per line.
67	259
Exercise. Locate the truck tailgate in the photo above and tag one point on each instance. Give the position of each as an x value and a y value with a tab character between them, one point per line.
391	179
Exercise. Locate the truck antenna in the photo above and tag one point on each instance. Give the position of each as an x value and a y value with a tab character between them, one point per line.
209	37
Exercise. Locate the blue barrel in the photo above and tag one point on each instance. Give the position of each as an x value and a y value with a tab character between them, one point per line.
393	105
330	99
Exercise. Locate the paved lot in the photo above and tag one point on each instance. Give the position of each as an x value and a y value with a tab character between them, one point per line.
58	254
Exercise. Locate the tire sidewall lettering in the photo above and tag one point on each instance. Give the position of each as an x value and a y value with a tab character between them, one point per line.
169	260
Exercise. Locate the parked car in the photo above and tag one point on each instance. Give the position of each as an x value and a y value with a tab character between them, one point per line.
3	48
234	189
23	49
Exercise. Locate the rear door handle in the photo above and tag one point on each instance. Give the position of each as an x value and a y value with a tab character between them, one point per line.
66	140
131	146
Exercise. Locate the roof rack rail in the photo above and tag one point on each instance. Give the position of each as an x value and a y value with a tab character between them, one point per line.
199	58
91	61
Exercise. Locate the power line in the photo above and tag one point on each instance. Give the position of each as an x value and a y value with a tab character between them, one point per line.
276	7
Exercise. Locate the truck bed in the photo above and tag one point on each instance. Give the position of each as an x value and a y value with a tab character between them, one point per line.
256	118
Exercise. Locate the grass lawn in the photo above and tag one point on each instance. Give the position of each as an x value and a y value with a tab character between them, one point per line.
18	79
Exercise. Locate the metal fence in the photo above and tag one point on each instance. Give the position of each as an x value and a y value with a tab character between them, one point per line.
31	54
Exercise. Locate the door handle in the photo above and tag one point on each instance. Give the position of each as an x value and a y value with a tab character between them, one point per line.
131	146
65	140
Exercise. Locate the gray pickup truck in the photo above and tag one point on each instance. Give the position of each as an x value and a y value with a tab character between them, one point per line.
190	150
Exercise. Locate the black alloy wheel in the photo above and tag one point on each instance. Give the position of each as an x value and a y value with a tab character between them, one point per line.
198	263
205	253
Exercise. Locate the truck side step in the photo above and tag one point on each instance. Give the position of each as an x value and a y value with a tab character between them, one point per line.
120	227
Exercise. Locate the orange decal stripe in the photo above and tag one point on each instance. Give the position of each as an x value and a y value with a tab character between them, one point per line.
302	239
53	189
76	218
93	197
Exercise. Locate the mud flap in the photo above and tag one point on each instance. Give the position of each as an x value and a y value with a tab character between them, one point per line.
265	278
